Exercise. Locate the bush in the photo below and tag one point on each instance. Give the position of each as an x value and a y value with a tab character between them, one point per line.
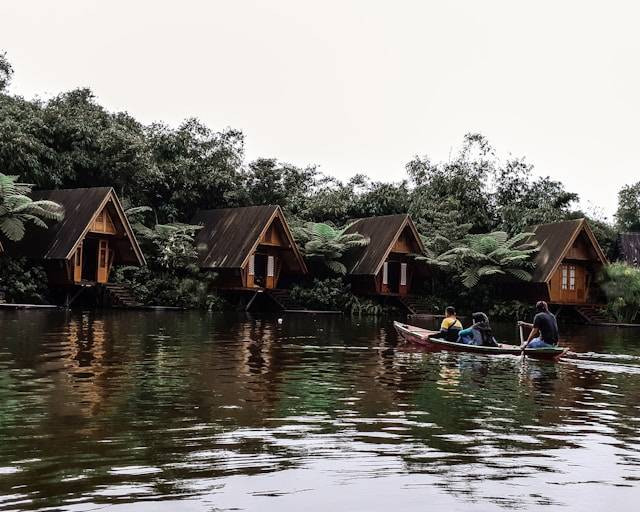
22	282
621	285
510	310
169	289
324	295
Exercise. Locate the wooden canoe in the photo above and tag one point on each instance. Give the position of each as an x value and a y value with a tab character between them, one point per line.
413	334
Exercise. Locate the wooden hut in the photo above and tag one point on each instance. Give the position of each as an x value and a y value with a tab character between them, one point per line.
384	266
83	247
628	248
249	248
567	263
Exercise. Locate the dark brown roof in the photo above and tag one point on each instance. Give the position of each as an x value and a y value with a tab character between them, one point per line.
81	205
554	240
629	248
230	235
382	232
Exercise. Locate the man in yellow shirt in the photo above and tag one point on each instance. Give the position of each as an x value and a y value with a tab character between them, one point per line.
450	326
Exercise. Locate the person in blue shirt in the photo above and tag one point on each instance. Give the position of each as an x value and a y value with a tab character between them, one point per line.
479	333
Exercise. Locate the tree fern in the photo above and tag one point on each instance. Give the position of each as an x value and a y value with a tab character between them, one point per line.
322	242
17	209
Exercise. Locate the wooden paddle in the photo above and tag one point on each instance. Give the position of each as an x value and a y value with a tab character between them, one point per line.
522	345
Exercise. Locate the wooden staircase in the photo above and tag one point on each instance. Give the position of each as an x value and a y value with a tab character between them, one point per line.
593	315
120	295
415	305
283	299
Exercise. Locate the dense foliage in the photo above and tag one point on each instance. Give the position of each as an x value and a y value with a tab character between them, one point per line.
331	294
22	282
621	284
324	244
171	276
17	209
628	214
70	140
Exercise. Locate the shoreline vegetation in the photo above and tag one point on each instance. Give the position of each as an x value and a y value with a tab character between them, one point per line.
473	212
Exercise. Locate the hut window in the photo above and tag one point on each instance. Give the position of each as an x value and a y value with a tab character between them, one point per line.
572	277
252	264
385	273
564	277
403	274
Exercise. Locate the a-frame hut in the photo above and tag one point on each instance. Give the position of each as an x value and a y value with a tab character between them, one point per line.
82	248
249	248
567	263
385	266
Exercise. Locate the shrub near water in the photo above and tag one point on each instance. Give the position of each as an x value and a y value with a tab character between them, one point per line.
21	282
621	285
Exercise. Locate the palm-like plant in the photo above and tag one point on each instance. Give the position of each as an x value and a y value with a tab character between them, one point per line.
493	254
17	209
322	242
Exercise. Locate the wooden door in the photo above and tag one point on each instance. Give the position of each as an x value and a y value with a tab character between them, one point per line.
103	261
572	283
77	265
581	283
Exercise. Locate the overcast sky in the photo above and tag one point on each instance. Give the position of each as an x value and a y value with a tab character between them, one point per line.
358	86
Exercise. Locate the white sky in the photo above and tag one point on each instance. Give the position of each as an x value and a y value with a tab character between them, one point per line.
358	86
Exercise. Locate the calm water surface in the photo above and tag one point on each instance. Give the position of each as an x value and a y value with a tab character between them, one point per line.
137	411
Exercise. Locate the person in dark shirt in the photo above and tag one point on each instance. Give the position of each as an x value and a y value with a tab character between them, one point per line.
544	330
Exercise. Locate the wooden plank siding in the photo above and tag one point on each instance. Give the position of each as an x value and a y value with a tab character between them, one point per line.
93	236
250	247
567	264
385	267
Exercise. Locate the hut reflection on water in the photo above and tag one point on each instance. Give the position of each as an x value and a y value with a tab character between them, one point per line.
148	410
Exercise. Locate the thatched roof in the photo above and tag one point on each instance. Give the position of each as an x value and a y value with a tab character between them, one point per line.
230	235
81	207
382	232
554	241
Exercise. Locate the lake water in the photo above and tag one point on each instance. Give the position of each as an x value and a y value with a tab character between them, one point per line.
139	411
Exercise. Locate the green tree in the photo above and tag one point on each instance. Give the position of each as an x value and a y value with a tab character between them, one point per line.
268	181
17	209
6	71
628	213
492	254
522	201
323	243
459	185
621	284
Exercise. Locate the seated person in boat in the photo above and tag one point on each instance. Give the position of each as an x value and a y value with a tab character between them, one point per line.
479	333
544	329
450	326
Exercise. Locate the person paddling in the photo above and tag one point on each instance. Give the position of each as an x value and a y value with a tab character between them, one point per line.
544	329
450	326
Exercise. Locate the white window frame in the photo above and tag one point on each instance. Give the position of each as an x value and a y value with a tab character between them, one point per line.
403	274
385	273
271	266
565	280
252	265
